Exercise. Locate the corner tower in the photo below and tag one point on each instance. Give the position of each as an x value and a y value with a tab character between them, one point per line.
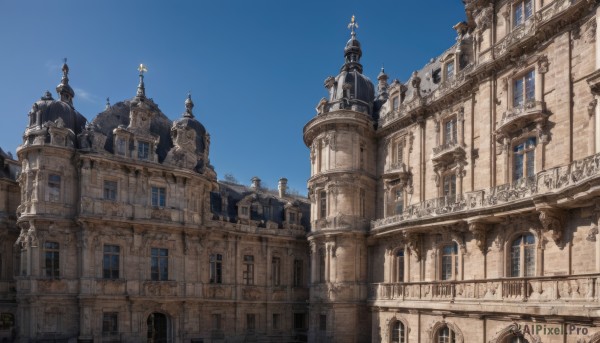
341	138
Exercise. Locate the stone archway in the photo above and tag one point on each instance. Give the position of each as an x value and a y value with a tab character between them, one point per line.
159	328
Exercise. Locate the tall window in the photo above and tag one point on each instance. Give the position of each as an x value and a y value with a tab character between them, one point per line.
449	70
121	146
322	204
397	335
110	323
54	188
450	131
159	264
292	217
52	259
250	321
298	273
399	266
362	202
395	103
399	201
143	150
276	321
398	155
216	322
522	256
524	159
450	262
216	268
449	185
322	265
524	89
522	11
362	156
446	335
276	270
110	262
299	321
323	322
110	190
248	273
158	196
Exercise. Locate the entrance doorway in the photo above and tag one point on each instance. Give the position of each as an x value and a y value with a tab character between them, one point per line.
159	328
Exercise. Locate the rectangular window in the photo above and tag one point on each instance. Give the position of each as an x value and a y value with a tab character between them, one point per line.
322	266
110	323
362	202
522	11
323	204
121	146
110	190
276	321
216	322
450	185
524	89
143	150
159	264
54	188
248	273
449	261
399	153
450	131
158	196
299	321
7	321
322	322
276	270
524	159
52	259
399	202
436	76
449	70
298	273
267	212
292	217
395	103
216	268
245	210
110	262
250	321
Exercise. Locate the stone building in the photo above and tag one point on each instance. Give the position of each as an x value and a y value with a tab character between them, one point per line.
462	205
117	230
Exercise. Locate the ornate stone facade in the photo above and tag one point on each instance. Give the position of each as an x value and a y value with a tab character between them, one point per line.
479	174
117	230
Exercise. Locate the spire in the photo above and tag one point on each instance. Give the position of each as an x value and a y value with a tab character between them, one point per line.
352	52
141	89
382	85
63	89
189	105
107	104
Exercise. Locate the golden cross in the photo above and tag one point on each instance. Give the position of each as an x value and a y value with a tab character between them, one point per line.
142	69
353	24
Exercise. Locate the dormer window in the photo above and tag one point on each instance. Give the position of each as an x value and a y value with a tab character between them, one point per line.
395	103
436	75
143	150
121	148
449	70
522	11
292	217
245	210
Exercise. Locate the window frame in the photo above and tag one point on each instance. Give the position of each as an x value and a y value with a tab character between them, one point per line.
400	330
52	260
251	322
526	268
248	270
110	320
450	338
398	265
450	130
54	187
527	93
159	264
528	154
110	194
158	196
298	273
109	273
215	269
276	271
323	204
522	6
454	256
143	150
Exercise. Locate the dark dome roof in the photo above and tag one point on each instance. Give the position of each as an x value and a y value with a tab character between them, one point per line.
118	114
51	110
359	86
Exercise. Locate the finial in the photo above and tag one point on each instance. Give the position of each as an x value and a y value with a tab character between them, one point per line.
63	89
141	91
353	25
65	70
189	105
107	103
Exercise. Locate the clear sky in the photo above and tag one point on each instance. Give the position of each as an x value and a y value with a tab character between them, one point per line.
255	68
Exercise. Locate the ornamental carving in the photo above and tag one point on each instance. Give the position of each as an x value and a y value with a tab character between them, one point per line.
413	242
479	231
553	221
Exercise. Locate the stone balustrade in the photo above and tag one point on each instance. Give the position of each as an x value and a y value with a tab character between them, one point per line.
546	182
580	288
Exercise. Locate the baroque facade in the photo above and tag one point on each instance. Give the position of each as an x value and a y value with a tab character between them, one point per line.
117	230
463	205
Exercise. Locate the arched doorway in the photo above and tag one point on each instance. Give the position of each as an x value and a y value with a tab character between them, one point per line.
159	328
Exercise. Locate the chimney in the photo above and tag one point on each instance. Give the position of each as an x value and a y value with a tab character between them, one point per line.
255	183
282	187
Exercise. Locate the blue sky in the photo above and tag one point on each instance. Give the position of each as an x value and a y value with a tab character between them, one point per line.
255	68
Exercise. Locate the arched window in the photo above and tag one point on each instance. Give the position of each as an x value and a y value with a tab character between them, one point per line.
399	266
445	335
450	262
398	332
522	256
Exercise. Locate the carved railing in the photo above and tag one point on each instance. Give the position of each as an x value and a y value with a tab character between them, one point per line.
552	180
580	288
447	146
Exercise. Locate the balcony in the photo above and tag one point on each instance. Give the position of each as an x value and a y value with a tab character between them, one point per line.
517	118
448	153
551	182
395	171
575	289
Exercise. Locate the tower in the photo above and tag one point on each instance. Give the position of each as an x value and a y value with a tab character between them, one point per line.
341	138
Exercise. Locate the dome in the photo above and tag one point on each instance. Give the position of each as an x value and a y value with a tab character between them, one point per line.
47	109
